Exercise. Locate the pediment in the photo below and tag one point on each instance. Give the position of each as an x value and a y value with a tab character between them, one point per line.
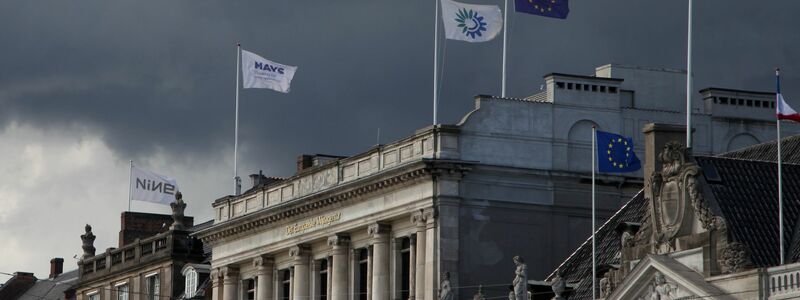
663	278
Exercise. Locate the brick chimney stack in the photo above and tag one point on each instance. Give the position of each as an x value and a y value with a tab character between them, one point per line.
56	267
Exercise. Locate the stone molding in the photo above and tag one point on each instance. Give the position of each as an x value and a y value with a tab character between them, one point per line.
230	275
339	240
379	230
303	206
264	262
299	252
734	258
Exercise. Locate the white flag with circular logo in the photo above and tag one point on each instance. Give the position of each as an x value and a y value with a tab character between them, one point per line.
470	22
261	73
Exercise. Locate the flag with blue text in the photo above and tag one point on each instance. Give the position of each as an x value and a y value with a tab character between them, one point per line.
260	73
546	8
470	22
615	153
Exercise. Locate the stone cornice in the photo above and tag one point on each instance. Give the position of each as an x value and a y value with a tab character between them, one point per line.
345	192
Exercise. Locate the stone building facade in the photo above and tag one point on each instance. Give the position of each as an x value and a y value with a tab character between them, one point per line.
149	267
511	178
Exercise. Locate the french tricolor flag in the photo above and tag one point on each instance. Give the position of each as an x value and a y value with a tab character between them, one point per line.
783	110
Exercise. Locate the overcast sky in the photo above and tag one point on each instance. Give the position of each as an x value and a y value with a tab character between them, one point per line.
86	86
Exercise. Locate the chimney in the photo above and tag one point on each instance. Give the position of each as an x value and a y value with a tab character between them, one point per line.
56	267
304	161
656	135
258	179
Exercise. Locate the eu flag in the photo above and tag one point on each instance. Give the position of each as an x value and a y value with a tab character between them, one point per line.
615	153
546	8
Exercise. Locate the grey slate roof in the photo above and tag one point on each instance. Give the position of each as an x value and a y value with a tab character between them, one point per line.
790	151
741	186
578	266
51	289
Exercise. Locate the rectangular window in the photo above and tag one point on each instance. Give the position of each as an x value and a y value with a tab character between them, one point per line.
594	88
578	86
361	287
741	101
612	89
723	100
153	285
249	289
749	102
560	85
286	284
323	279
122	291
93	295
569	85
405	266
602	88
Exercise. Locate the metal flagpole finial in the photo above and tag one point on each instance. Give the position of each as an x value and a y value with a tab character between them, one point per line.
777	71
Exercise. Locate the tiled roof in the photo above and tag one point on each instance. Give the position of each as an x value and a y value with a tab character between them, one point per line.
746	192
790	151
577	267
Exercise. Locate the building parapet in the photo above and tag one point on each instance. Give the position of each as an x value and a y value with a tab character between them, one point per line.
783	282
739	104
439	141
139	253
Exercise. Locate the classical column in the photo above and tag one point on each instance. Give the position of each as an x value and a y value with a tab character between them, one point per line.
370	267
300	286
340	244
264	265
380	260
431	281
418	219
412	267
230	282
216	284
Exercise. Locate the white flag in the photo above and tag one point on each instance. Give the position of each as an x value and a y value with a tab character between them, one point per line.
152	187
261	73
471	23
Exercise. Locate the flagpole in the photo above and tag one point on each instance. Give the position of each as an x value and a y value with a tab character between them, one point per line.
594	165
780	171
236	126
130	179
689	81
505	44
435	59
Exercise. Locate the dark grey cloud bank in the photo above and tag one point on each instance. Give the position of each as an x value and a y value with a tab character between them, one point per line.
151	76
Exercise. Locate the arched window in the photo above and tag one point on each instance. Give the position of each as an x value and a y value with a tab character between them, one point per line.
579	155
742	140
191	282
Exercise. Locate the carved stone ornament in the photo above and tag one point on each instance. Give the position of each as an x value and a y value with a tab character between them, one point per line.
88	242
178	207
338	240
662	289
734	258
677	197
559	286
445	290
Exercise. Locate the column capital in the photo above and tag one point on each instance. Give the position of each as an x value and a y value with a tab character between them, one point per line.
339	240
264	262
299	252
216	277
230	274
376	229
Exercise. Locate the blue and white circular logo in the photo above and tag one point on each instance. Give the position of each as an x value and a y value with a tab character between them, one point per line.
471	22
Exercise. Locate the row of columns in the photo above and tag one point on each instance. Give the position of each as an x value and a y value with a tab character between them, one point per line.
225	280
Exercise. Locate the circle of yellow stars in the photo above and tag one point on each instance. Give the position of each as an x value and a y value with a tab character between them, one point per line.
624	143
541	8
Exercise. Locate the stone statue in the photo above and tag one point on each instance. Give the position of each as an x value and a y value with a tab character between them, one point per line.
88	242
559	286
445	290
511	295
177	212
520	279
479	295
605	285
661	289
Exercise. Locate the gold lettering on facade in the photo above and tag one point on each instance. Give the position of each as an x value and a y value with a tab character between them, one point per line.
312	223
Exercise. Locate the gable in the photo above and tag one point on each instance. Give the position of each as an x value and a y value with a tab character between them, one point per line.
662	277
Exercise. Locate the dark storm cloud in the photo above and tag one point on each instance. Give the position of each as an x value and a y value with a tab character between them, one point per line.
160	75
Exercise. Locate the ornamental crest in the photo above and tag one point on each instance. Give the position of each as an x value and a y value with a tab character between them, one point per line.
672	213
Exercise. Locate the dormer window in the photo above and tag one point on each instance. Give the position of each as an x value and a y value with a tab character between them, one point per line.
191	282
